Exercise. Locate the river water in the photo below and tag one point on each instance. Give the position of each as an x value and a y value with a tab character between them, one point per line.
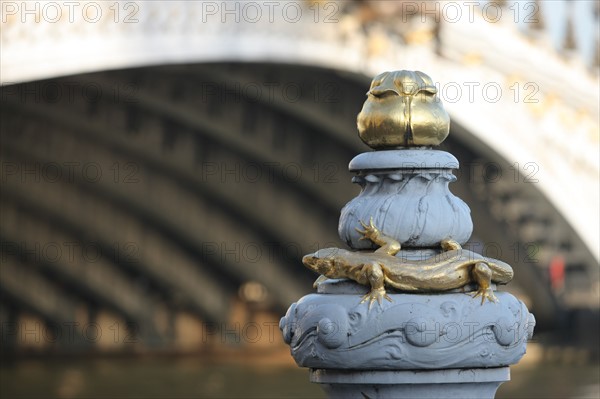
189	377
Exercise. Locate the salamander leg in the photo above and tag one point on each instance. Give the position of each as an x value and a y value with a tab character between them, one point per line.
449	245
374	274
482	275
319	280
387	244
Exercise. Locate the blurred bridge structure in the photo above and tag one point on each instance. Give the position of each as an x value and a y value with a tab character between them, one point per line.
165	165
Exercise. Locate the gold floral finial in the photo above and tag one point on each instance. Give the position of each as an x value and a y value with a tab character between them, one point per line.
402	110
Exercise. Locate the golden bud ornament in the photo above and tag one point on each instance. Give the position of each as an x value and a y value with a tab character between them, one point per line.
402	110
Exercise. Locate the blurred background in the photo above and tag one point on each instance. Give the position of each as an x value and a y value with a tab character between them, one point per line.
165	166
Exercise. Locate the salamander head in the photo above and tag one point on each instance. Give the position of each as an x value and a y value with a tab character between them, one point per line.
322	261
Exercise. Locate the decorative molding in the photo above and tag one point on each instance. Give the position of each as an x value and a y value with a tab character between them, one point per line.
450	330
413	206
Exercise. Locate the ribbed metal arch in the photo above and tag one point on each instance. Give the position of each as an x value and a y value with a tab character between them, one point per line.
163	126
188	242
114	290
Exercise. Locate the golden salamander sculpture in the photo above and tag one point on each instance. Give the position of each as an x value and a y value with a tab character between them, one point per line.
451	269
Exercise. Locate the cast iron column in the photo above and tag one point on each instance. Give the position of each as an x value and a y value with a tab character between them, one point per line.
430	323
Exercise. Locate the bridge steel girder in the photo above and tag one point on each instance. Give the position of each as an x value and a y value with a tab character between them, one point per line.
273	278
182	273
314	116
228	138
268	227
25	288
103	281
41	294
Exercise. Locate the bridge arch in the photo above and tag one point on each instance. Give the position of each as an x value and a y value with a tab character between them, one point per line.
489	127
505	87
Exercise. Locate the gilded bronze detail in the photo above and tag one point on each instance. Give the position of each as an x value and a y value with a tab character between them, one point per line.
402	110
453	268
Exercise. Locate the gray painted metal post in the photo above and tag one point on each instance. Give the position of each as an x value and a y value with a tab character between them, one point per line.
420	344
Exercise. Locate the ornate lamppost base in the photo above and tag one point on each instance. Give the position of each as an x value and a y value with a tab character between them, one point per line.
445	345
333	330
406	312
